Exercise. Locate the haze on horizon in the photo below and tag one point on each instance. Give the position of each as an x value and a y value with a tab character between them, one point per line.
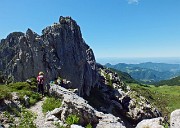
118	28
138	60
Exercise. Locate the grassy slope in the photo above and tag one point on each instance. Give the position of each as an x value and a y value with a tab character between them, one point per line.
22	88
171	82
165	98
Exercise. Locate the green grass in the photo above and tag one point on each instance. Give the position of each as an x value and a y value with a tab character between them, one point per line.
88	126
22	89
19	86
5	92
170	94
171	82
72	119
165	98
26	119
50	104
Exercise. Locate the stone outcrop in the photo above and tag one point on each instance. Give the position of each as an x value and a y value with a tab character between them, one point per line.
113	96
73	104
59	51
175	119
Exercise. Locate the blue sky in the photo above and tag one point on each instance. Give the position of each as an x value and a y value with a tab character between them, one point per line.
112	28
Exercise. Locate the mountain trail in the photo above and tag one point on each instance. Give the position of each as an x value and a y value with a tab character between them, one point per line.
40	121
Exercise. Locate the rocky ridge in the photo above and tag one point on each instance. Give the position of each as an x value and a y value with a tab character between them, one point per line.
73	104
59	51
113	96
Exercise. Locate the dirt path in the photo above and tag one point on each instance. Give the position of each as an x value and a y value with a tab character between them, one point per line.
40	121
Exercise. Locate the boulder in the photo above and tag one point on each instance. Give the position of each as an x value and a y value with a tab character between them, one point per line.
76	126
73	104
151	123
26	101
175	119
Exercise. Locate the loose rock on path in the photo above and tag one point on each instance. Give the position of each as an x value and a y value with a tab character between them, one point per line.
40	121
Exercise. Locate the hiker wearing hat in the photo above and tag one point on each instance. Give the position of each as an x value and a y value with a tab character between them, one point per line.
40	80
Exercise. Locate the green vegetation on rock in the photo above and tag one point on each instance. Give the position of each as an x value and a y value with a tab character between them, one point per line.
163	97
5	92
72	119
26	119
50	104
22	89
124	76
88	126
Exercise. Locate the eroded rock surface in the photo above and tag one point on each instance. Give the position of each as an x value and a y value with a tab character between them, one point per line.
73	104
59	51
175	119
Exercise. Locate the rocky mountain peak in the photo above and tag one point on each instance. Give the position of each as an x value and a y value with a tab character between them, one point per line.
59	52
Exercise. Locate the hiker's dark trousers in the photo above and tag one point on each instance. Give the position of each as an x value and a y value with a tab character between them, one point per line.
40	89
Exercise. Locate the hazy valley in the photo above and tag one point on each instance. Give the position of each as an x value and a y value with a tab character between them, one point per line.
149	73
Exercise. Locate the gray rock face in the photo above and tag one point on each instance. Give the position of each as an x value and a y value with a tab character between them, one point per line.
175	119
59	51
119	99
73	104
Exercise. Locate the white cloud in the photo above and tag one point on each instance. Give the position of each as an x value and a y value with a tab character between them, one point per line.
133	1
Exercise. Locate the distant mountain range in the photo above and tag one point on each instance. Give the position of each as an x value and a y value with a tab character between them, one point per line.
137	60
148	72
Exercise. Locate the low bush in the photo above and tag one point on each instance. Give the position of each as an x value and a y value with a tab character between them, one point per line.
50	104
72	119
88	126
22	89
19	86
35	97
5	92
26	119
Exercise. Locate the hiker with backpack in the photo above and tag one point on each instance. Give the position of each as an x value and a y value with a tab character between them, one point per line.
40	81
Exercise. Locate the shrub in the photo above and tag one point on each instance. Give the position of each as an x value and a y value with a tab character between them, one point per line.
9	117
5	92
23	88
50	104
33	83
72	119
26	119
34	97
19	86
108	79
88	126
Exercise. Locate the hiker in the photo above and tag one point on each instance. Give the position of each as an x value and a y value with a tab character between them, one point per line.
60	81
40	80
